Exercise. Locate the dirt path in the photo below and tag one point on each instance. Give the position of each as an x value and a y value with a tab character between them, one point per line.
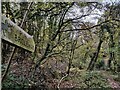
111	81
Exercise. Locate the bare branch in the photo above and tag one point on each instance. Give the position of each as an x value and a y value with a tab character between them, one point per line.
90	27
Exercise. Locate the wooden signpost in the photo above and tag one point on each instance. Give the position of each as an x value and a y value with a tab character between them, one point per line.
16	35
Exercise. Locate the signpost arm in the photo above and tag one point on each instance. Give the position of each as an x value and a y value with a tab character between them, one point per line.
14	48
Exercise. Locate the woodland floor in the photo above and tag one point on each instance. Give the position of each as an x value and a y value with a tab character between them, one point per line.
111	81
21	75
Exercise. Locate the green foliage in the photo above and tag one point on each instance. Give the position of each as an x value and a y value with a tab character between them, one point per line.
92	79
118	77
95	80
100	65
15	82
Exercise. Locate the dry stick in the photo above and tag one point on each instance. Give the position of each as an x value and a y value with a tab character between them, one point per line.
14	48
58	86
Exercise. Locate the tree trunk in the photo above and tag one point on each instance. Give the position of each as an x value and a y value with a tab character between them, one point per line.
95	56
111	47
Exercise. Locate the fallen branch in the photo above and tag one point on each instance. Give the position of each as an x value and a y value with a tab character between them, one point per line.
58	86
